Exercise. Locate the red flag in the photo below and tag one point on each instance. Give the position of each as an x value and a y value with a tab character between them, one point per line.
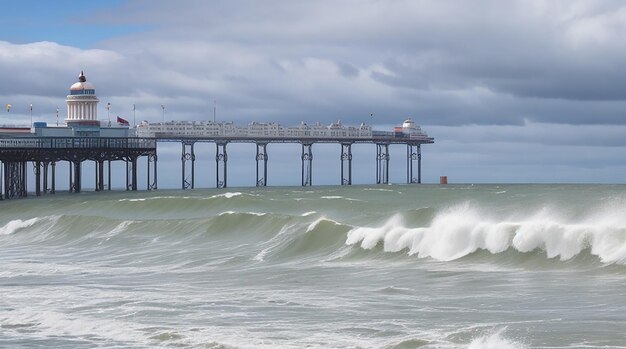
122	121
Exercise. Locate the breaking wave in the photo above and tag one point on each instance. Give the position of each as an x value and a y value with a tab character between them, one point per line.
462	230
273	230
14	226
494	341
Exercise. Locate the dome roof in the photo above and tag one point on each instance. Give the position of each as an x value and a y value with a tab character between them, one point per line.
82	84
408	123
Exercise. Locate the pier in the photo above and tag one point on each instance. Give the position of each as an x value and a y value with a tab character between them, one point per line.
84	137
20	154
44	153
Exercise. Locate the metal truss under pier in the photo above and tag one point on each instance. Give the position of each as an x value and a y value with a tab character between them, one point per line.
221	157
46	152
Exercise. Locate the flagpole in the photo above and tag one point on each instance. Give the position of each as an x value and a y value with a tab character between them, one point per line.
109	113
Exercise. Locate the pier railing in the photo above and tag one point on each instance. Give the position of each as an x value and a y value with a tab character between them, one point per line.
77	143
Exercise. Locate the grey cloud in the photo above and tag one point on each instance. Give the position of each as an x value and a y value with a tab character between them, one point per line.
441	62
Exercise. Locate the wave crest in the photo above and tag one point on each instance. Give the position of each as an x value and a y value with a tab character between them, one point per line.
494	341
16	225
462	230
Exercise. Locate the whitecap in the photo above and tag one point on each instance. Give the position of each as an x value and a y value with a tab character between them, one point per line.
226	195
335	197
494	341
461	230
15	225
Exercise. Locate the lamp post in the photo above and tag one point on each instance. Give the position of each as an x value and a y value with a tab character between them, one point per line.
108	113
9	107
57	116
134	120
163	107
31	115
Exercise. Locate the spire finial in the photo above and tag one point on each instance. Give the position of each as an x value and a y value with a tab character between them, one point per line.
82	77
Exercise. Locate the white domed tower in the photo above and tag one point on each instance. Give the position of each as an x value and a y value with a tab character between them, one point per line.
82	103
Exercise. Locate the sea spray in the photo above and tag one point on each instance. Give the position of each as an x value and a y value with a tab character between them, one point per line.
494	340
14	226
461	230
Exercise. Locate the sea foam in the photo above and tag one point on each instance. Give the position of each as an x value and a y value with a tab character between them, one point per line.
494	341
461	230
15	225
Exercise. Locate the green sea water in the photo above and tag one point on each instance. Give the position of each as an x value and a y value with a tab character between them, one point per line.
399	266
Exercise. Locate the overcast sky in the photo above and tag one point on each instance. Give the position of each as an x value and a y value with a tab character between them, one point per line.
512	91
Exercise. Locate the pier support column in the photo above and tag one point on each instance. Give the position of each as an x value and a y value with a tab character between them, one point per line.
419	163
70	173
307	164
261	159
1	180
109	176
127	163
45	166
133	163
97	182
152	185
99	175
382	163
346	163
221	169
188	155
24	180
131	173
14	179
77	176
37	168
413	153
53	166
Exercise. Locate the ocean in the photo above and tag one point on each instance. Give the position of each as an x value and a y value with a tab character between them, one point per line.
398	266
